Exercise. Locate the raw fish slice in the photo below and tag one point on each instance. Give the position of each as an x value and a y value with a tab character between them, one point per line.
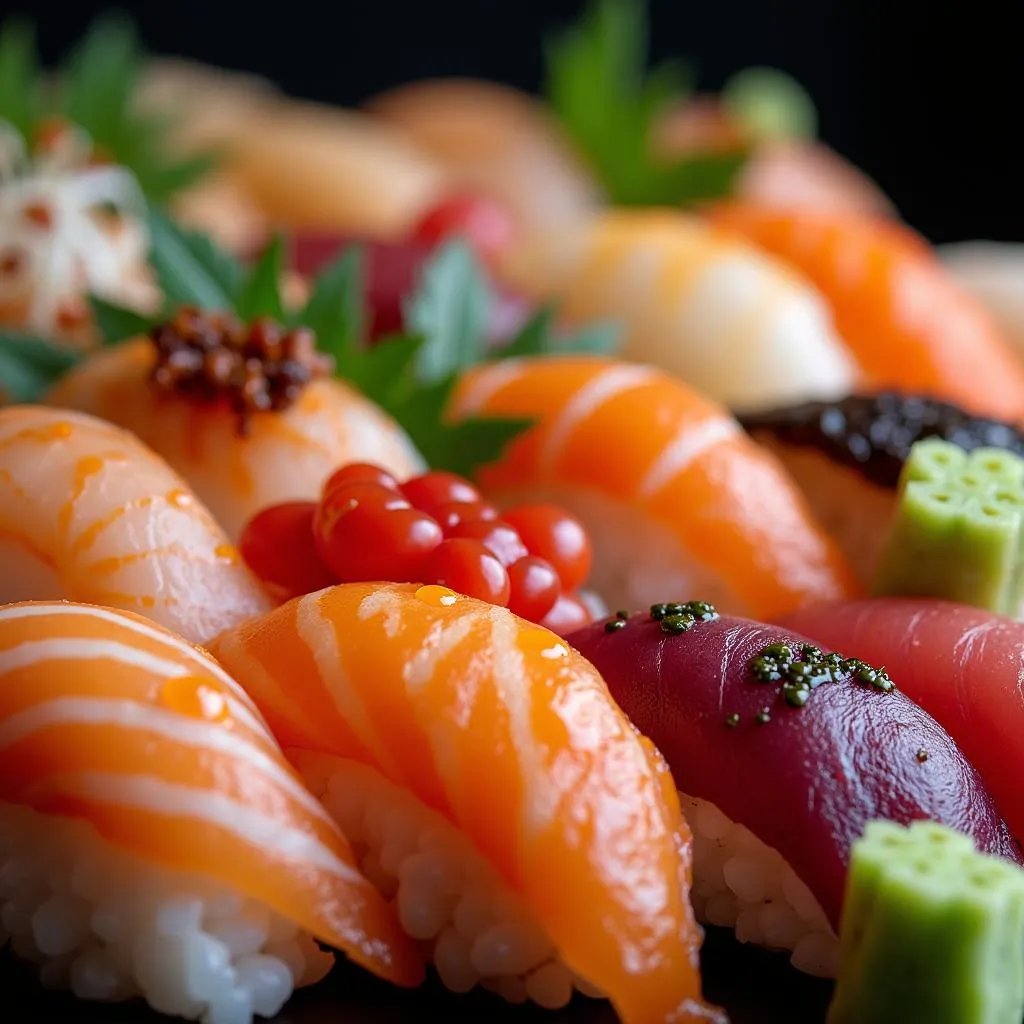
195	846
286	456
963	665
905	319
675	497
778	795
87	512
523	826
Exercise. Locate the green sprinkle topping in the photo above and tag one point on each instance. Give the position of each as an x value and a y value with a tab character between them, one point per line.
675	624
622	614
763	717
614	625
732	720
922	755
699	611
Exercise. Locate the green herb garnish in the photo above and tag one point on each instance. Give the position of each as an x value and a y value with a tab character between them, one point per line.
94	90
599	88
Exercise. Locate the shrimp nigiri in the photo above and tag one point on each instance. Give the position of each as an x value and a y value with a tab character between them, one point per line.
696	302
963	665
153	839
676	499
908	324
529	836
285	455
90	514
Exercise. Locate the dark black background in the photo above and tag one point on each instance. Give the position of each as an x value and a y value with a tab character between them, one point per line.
926	95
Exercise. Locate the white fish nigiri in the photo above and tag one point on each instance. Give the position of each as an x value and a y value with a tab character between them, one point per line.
88	513
693	300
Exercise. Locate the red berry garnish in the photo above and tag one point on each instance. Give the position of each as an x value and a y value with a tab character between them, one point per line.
494	534
568	614
364	532
483	223
363	472
535	588
559	538
432	490
452	513
467	567
279	546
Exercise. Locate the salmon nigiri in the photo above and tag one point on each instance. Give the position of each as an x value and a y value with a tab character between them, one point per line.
908	324
963	665
676	499
528	835
697	302
89	513
153	839
283	455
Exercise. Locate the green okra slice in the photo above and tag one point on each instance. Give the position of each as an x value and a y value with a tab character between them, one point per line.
932	931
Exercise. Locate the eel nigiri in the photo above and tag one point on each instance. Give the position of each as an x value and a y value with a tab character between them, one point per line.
847	456
675	497
697	302
908	324
285	454
89	513
963	665
153	839
522	826
781	760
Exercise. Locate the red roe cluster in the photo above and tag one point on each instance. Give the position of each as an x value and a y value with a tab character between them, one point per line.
434	528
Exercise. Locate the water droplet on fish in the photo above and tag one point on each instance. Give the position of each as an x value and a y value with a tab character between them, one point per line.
226	553
194	697
540	641
179	498
439	597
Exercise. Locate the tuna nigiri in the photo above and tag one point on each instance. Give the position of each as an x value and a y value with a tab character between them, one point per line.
675	497
779	775
697	302
89	513
963	665
285	454
522	826
908	324
153	839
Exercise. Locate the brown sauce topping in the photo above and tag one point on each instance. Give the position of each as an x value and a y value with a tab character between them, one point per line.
257	367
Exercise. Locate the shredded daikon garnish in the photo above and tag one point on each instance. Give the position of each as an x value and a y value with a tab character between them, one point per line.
68	229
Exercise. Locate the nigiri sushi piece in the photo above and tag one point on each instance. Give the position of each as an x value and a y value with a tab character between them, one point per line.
909	325
675	498
963	665
154	841
782	755
847	456
89	513
283	455
694	301
521	826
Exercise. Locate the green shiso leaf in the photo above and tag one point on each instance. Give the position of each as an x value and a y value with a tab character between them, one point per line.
261	293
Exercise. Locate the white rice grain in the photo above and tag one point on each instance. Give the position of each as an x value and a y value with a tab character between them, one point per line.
743	884
475	930
110	926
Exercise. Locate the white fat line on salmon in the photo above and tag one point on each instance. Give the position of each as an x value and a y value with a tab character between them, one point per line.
442	639
688	445
486	384
201	735
247	712
317	632
170	800
587	400
384	601
513	692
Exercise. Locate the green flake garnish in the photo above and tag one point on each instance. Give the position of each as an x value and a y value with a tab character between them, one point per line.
932	930
599	88
958	530
95	90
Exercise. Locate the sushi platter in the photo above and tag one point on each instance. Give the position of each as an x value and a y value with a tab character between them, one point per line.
535	558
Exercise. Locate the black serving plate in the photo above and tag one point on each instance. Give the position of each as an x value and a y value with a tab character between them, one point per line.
754	986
